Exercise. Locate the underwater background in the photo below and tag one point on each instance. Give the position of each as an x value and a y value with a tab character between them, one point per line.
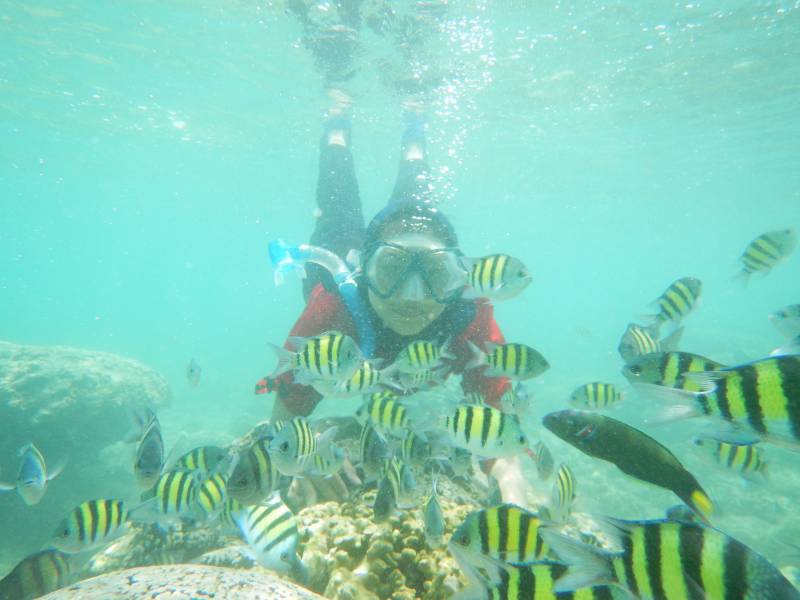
150	151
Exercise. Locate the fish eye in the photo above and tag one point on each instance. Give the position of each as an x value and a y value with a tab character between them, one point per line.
522	439
463	540
284	446
284	557
635	369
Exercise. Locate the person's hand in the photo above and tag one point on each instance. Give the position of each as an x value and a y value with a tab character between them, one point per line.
513	485
306	491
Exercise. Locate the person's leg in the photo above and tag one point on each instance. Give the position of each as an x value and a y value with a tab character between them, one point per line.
413	177
340	221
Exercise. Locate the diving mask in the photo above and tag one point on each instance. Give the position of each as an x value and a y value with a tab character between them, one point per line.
389	266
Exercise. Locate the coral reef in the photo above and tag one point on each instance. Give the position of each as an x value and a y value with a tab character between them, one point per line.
349	557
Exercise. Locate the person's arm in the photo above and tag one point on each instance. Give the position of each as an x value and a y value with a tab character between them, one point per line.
324	312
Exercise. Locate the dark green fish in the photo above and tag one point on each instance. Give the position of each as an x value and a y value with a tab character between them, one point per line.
634	453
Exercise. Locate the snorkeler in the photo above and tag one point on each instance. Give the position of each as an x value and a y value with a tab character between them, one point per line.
411	283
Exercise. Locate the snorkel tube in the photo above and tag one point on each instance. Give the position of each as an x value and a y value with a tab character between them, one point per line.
287	258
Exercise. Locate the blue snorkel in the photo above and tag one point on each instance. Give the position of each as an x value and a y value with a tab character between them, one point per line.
286	258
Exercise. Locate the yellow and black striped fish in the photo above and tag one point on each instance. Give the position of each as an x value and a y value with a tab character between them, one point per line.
229	510
372	450
37	575
536	581
564	489
212	494
395	489
270	529
596	395
515	361
764	252
331	355
420	355
415	450
669	369
255	476
497	277
505	533
638	341
543	459
485	431
206	459
763	396
666	560
293	446
745	459
678	300
386	413
91	524
175	493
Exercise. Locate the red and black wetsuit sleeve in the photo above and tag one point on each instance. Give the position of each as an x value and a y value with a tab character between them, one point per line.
324	311
483	328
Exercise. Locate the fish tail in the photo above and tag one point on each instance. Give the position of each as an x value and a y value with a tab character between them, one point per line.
284	360
701	503
588	565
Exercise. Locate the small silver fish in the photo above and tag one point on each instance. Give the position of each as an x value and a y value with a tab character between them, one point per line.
193	371
32	478
434	519
787	320
150	455
516	401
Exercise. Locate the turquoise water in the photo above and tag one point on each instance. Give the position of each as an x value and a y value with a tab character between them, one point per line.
151	150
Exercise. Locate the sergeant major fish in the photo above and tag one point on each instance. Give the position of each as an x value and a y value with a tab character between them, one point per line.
678	300
668	369
596	395
760	396
632	451
515	361
745	459
501	534
766	251
395	490
255	475
331	355
270	530
421	355
496	277
485	431
564	493
638	340
662	560
293	446
32	477
91	524
36	575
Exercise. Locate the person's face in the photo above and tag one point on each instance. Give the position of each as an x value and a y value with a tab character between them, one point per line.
412	307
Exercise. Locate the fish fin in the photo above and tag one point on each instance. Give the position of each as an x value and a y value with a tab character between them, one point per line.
325	439
473	591
588	565
57	469
789	349
477	357
6	487
707	380
284	360
446	350
24	448
680	403
146	512
671	342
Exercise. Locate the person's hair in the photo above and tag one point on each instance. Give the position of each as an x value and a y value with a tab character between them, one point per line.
409	218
